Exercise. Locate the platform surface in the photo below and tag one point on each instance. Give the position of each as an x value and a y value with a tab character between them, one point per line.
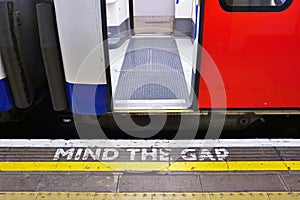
153	169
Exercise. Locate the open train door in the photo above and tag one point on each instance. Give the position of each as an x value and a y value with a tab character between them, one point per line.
108	66
153	66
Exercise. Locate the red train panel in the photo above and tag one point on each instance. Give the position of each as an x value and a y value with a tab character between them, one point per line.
257	55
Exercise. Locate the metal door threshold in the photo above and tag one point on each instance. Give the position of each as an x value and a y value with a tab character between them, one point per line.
165	104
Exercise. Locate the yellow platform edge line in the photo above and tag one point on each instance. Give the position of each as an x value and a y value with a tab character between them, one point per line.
150	195
152	166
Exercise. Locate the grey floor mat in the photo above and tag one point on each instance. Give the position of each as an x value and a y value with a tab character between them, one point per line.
151	70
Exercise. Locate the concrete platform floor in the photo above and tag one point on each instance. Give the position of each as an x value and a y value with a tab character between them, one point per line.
271	181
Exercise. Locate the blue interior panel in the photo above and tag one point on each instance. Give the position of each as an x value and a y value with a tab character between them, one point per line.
6	101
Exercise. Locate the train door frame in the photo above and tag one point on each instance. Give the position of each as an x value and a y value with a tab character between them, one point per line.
199	30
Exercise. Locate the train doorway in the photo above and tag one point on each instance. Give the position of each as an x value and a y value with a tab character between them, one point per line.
150	20
153	51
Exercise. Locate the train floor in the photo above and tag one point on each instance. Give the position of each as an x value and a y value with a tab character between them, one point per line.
149	70
260	169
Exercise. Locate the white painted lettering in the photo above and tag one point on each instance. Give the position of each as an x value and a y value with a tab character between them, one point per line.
110	154
89	153
62	153
152	153
78	154
189	154
205	154
164	154
222	154
133	153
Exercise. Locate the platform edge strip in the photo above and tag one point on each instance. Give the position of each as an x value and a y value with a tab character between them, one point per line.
152	166
244	143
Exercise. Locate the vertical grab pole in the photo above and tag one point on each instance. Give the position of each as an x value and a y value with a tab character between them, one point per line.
51	55
131	16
